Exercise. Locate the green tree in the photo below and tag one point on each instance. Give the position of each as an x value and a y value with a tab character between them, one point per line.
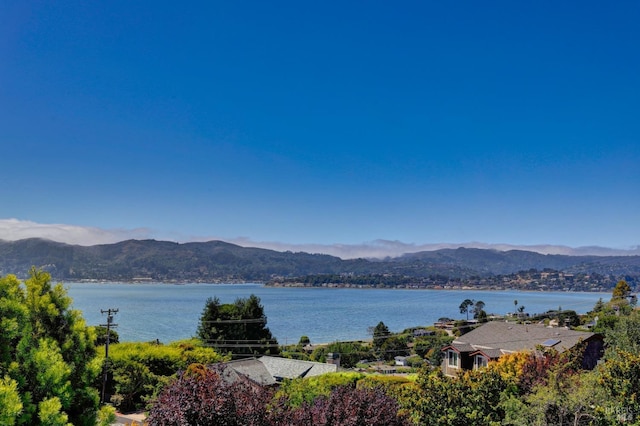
624	335
621	290
304	340
429	347
620	377
465	307
472	398
479	312
394	346
238	327
47	355
599	306
380	333
350	353
10	401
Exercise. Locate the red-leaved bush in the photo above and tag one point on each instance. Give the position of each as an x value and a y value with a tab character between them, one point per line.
203	397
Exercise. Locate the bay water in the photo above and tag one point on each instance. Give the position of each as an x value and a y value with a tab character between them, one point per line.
169	312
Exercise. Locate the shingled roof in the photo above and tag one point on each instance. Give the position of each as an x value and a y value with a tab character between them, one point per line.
509	337
268	370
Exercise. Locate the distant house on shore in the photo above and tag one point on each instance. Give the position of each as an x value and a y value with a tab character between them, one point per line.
402	361
492	340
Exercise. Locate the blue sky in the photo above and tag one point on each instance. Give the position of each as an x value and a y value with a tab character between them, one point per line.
323	122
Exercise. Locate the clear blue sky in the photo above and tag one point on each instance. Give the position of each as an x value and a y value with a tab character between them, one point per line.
325	122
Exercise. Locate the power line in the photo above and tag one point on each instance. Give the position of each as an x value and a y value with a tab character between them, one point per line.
237	321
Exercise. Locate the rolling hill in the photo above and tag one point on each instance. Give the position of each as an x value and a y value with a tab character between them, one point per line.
220	261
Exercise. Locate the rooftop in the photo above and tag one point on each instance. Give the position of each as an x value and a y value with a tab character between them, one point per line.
510	337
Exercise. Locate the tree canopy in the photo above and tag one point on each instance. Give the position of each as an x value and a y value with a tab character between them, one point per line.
239	327
621	290
380	333
466	306
48	362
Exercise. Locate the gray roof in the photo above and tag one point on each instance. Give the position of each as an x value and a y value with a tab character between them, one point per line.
491	353
292	368
268	370
252	369
510	337
462	347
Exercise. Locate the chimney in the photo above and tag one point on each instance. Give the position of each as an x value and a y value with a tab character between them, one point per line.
333	358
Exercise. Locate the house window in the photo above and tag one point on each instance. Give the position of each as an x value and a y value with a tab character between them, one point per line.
453	359
479	362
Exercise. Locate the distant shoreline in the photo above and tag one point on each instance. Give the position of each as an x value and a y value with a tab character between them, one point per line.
332	286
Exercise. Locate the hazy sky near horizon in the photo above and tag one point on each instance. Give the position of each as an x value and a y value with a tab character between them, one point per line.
324	122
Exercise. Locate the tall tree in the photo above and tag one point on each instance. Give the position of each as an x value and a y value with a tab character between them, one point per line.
465	306
478	310
239	327
621	290
380	333
47	354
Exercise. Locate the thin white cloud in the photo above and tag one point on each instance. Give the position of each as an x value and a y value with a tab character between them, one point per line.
379	249
15	229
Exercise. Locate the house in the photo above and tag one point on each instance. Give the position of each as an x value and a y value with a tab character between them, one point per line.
385	369
401	361
419	332
268	370
492	340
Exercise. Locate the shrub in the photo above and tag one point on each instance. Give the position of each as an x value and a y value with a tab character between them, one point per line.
201	397
345	405
299	391
140	370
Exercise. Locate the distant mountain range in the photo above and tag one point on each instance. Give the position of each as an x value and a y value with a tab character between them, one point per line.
217	261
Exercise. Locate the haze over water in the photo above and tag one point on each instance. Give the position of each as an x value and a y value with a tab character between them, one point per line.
171	312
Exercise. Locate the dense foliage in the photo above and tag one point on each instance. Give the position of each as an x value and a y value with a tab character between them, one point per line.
347	405
139	370
239	327
298	392
350	353
201	396
49	373
48	362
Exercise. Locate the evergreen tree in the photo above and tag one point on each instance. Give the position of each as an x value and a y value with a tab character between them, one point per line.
466	306
621	290
380	333
238	327
47	355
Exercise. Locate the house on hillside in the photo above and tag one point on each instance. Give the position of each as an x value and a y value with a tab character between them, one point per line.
492	340
268	370
401	361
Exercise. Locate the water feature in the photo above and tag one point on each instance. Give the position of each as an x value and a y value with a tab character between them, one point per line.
171	312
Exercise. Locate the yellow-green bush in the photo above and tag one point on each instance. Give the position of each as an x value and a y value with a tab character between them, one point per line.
139	370
298	391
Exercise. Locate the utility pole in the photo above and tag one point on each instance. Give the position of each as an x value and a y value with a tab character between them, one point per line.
109	324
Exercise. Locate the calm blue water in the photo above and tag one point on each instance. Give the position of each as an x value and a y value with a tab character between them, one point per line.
171	312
